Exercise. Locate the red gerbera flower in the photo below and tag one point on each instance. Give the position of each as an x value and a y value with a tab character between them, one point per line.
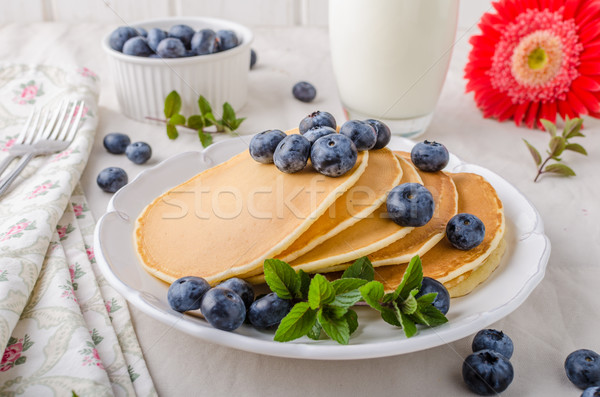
536	58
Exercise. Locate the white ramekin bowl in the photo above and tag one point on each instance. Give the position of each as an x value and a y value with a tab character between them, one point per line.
143	83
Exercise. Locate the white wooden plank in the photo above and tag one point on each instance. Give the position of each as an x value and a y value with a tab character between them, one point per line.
109	11
21	11
315	12
247	12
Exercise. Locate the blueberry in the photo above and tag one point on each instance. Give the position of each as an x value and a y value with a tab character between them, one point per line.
291	154
111	179
139	152
183	33
429	156
487	372
142	32
465	231
591	392
204	42
333	155
362	134
495	340
410	204
227	40
186	293
119	36
137	46
318	132
171	48
155	36
116	143
223	309
384	135
268	311
263	145
304	91
442	300
252	58
240	287
583	368
317	119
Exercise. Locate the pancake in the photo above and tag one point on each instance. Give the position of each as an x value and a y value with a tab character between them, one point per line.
228	219
383	173
423	238
444	262
360	239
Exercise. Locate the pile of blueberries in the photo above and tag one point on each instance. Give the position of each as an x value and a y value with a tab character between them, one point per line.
229	304
180	41
112	179
330	153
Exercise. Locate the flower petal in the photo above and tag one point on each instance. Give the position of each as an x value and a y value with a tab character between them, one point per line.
576	104
589	68
571	8
565	110
590	33
587	83
587	99
520	113
532	114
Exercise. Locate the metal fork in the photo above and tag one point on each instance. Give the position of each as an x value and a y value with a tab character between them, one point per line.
40	136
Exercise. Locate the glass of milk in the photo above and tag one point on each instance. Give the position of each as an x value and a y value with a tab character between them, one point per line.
390	58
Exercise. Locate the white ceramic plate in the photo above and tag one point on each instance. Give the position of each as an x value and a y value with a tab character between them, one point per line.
522	268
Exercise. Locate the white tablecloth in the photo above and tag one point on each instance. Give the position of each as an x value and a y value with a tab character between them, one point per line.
561	315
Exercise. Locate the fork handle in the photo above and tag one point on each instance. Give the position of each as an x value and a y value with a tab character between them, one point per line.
10	179
4	165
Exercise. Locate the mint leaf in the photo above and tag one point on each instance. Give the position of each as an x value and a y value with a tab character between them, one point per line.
304	283
195	122
281	278
335	311
204	106
315	331
361	268
297	323
412	279
352	320
177	119
320	292
209	119
343	285
172	131
236	123
228	114
575	147
205	139
559	169
572	128
409	327
372	293
172	104
336	328
408	305
346	299
557	146
427	299
534	152
549	126
389	316
429	315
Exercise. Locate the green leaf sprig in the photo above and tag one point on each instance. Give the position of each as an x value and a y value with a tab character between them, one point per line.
558	144
198	122
325	307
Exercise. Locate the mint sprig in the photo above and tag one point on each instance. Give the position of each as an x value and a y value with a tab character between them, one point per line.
325	307
557	145
198	122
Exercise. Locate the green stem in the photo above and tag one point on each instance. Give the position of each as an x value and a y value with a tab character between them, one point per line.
540	170
165	121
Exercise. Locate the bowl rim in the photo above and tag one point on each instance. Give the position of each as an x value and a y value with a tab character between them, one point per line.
246	35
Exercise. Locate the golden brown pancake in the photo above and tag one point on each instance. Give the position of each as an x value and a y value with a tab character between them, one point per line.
444	262
382	174
360	239
423	238
228	219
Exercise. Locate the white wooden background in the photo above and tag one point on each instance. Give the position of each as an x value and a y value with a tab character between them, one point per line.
248	12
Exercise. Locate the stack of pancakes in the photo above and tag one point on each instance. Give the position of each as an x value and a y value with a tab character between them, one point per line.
227	220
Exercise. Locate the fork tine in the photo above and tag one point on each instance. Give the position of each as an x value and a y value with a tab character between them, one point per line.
68	122
53	119
61	120
23	133
37	135
32	131
75	125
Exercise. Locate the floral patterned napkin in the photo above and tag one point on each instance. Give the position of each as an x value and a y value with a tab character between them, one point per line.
65	329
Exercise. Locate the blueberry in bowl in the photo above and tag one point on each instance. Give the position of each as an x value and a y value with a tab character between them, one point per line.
362	134
171	48
429	156
182	32
410	204
304	91
317	119
227	39
291	154
333	155
493	340
263	145
155	36
465	231
139	152
112	179
204	42
120	35
137	46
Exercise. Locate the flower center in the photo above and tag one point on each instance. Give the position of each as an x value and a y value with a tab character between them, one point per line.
537	58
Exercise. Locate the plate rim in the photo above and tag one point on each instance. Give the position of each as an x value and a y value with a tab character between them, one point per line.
315	350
